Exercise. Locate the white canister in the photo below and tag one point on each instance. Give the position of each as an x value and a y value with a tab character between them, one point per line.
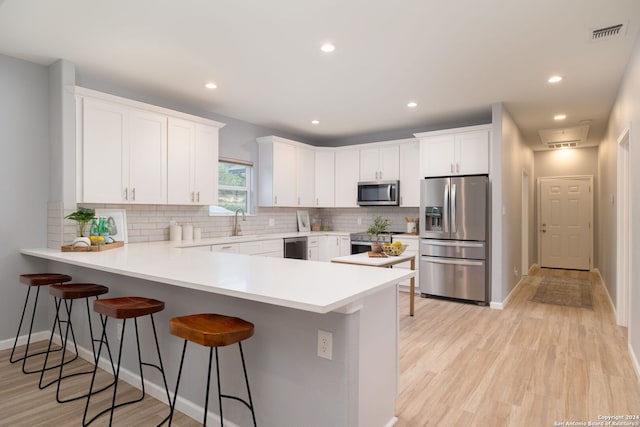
197	233
411	228
175	233
187	232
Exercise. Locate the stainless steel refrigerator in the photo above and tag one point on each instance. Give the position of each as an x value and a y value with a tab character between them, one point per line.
453	238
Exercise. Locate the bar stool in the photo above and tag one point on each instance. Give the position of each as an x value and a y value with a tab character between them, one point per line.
213	331
37	280
68	293
125	308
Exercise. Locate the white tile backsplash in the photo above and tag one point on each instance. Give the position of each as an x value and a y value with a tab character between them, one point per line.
147	223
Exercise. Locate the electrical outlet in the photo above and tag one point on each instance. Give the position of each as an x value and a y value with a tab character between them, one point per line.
272	222
119	329
325	344
359	221
515	271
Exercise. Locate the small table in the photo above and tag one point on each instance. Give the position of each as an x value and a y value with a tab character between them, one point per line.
364	259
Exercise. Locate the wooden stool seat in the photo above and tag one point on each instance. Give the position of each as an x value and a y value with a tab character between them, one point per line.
77	290
42	279
211	330
127	307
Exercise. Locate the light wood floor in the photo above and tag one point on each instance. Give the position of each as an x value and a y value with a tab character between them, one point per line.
528	365
461	365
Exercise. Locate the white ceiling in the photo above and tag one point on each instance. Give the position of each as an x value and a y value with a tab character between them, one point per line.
454	58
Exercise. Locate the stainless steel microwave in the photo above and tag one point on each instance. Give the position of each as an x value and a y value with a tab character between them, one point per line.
379	193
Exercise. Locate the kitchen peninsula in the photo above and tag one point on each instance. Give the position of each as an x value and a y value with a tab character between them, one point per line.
288	301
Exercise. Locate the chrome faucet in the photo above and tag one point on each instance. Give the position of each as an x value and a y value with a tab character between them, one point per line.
235	221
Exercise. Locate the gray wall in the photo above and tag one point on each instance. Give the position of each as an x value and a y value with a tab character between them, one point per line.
24	183
512	158
577	161
625	114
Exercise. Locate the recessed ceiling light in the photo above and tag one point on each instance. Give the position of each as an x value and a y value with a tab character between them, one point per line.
327	48
211	85
554	79
315	122
412	104
559	117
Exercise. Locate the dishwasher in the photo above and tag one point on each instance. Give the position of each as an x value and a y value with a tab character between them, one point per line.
295	247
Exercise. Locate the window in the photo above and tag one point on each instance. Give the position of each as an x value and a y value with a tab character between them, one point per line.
234	187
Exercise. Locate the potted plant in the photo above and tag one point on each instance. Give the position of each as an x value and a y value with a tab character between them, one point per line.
380	225
82	216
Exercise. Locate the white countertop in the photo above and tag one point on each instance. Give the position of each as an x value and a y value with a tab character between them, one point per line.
365	259
255	238
318	287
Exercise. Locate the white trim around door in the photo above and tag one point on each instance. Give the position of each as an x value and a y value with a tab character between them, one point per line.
623	208
565	222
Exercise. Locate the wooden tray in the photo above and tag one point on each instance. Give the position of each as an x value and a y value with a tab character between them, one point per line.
92	248
377	255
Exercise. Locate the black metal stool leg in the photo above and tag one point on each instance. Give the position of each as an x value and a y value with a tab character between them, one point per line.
246	378
175	394
103	337
219	391
24	310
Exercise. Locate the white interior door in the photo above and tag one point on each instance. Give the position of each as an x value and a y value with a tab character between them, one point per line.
565	222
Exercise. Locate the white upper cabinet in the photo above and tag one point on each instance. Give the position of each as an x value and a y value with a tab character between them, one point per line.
124	154
131	152
461	151
103	134
325	178
286	173
193	163
305	176
410	174
379	163
147	157
347	176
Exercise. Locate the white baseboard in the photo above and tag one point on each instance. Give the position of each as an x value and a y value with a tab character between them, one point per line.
22	340
604	285
500	305
392	422
157	391
634	360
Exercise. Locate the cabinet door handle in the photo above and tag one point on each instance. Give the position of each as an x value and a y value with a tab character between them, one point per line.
317	201
451	167
275	200
457	167
133	193
192	197
198	198
126	193
298	200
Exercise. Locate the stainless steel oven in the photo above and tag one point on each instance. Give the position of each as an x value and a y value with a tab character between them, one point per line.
361	242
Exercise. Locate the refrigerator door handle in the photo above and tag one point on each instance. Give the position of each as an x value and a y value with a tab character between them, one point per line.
454	226
454	261
445	216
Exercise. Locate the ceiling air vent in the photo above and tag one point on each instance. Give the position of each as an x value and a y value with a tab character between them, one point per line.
608	33
564	137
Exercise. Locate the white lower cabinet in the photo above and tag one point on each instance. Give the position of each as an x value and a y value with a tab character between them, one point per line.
313	248
333	246
231	248
272	248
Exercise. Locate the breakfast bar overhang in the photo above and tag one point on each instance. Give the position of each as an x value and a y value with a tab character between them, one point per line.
289	301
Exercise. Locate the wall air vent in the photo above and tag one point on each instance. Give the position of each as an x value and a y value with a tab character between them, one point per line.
608	33
565	137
